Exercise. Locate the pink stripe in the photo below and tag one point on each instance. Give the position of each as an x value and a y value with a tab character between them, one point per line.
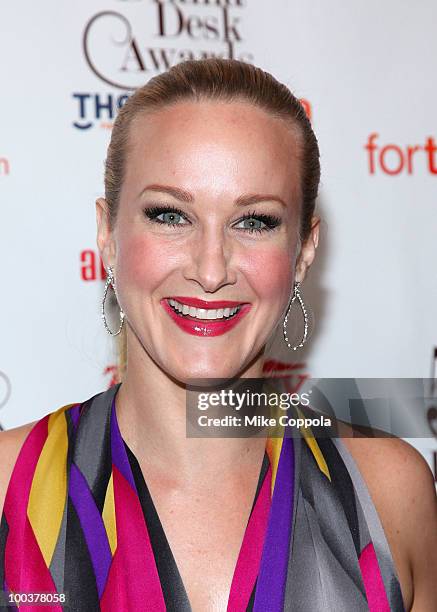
17	495
249	558
25	568
133	578
373	583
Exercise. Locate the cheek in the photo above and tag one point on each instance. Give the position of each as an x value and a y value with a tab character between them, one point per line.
269	272
142	262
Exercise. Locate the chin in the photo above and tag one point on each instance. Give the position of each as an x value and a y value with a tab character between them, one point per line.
189	372
223	364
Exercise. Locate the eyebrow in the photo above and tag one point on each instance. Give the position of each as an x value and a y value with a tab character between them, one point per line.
185	196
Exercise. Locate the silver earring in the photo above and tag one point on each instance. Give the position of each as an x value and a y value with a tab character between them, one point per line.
296	294
110	281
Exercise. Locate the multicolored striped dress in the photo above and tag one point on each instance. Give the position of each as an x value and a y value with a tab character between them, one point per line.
79	524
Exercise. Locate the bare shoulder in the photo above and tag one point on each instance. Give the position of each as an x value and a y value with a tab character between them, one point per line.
402	488
11	442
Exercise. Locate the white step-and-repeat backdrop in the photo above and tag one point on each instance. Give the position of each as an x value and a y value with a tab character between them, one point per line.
366	73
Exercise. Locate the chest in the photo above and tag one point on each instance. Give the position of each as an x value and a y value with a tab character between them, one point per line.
205	527
205	531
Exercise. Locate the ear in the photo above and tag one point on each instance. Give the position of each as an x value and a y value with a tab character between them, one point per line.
308	250
105	238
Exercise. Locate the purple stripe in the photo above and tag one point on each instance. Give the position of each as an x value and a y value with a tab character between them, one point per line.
119	455
270	590
92	525
74	414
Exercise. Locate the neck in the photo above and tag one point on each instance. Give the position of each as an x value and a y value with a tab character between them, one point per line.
151	413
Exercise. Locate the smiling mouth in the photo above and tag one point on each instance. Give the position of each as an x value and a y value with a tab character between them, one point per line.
203	314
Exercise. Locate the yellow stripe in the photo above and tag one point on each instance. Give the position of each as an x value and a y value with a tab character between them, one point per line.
48	492
108	516
276	435
314	447
275	446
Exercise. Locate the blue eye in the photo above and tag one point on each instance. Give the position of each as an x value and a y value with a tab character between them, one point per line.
253	222
170	215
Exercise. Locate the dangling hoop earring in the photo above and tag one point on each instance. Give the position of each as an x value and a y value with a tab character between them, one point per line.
111	281
296	294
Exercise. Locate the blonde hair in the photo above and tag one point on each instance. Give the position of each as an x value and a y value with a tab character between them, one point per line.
213	79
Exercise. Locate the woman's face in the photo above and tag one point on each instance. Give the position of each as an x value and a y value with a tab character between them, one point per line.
209	211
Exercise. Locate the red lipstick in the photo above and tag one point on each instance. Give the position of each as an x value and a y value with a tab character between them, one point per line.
205	327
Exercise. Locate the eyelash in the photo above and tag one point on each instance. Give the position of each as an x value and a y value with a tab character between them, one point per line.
271	222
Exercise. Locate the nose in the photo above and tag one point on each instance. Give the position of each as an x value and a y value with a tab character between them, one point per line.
210	260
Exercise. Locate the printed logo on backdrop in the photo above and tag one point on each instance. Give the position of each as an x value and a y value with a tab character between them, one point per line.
393	159
112	372
125	49
4	166
5	391
293	374
91	266
97	108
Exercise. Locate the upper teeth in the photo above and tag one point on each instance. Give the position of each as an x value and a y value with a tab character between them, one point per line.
203	313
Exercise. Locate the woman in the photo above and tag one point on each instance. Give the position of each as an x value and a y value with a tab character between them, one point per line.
211	179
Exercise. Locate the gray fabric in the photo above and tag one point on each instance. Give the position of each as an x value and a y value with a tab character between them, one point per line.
329	518
91	435
57	563
323	572
303	577
380	543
